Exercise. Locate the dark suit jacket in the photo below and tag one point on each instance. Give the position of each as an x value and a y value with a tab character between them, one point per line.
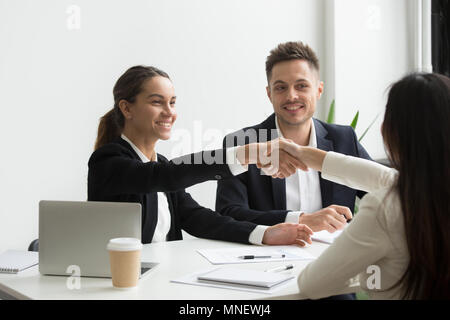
258	198
116	173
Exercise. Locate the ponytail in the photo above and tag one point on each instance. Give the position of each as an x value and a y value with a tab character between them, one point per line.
126	88
108	129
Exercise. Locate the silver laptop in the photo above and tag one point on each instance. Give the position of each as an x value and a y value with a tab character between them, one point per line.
73	235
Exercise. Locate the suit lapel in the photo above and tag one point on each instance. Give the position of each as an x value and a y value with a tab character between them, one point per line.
173	219
278	185
326	186
151	201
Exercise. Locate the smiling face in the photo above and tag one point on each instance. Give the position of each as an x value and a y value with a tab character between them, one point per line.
153	113
294	88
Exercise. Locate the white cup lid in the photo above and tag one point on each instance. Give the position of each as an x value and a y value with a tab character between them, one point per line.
124	244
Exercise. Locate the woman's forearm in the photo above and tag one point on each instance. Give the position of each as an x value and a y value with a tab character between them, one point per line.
311	157
256	153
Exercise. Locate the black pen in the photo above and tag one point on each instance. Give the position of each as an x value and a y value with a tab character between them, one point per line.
282	268
261	257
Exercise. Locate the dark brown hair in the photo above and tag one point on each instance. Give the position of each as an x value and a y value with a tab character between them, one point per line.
416	132
127	87
290	51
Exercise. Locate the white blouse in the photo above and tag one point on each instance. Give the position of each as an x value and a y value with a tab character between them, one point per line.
373	246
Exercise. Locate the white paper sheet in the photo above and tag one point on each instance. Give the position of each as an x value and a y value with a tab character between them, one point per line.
231	255
325	236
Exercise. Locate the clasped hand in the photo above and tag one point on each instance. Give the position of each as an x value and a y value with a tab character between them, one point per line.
277	158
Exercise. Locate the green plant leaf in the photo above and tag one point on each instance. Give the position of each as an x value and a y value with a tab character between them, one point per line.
355	120
370	125
330	118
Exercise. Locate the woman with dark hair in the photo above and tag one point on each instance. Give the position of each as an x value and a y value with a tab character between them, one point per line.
125	168
399	242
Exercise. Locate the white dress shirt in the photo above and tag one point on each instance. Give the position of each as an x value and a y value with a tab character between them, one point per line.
302	188
163	222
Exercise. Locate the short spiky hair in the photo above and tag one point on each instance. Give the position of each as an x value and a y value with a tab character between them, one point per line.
290	51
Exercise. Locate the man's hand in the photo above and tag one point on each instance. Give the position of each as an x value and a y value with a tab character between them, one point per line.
331	218
288	233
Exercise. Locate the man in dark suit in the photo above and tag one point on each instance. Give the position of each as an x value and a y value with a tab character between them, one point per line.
293	88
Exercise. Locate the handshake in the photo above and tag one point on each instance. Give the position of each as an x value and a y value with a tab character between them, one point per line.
280	158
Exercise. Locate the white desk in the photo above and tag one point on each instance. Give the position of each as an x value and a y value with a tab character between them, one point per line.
176	258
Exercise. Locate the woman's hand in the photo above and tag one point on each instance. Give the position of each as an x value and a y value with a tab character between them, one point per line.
272	157
287	234
281	158
308	157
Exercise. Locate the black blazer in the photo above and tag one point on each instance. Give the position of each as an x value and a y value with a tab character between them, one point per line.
116	173
258	198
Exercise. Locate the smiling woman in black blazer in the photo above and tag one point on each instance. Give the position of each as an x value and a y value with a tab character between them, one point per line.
125	168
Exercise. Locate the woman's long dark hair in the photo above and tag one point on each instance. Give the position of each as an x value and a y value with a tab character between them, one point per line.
127	87
416	132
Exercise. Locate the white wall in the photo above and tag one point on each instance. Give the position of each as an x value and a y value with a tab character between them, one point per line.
55	82
372	49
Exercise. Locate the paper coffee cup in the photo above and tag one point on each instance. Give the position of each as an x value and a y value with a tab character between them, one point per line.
125	261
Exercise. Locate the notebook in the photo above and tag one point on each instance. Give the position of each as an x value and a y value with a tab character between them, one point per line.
247	277
14	261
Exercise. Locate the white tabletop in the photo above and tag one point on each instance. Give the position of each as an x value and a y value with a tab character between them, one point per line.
176	259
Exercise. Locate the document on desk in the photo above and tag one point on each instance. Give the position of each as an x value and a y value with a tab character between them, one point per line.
325	236
238	279
262	254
